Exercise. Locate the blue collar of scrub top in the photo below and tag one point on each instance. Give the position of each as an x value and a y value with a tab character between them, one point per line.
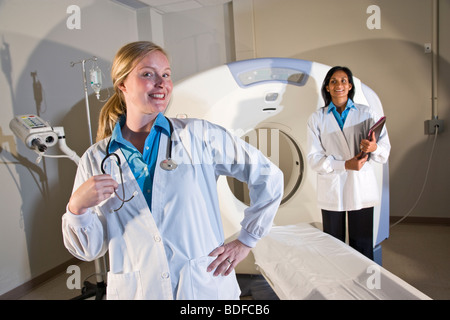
341	117
116	136
117	139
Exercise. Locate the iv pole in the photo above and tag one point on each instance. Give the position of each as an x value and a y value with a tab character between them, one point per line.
83	70
90	290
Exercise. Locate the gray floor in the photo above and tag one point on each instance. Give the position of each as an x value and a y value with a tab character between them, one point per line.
417	253
420	255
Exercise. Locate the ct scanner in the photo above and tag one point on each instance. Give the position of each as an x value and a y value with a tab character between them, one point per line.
267	102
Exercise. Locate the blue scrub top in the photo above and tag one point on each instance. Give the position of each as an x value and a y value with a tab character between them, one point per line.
340	118
142	165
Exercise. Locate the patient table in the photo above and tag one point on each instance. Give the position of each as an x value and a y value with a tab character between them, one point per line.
302	262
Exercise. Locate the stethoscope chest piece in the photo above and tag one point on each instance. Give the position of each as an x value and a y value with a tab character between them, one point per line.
168	164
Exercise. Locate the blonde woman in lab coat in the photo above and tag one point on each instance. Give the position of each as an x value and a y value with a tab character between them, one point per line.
162	227
346	183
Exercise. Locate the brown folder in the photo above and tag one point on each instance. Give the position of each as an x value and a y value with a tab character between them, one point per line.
377	127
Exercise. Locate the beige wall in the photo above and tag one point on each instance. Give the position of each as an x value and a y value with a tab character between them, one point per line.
34	37
390	60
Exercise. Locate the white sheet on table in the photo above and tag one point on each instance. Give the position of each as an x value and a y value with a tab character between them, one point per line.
302	262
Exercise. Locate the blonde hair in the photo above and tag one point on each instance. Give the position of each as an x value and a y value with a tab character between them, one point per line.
124	62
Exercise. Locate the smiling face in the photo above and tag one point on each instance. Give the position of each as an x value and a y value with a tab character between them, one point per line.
148	87
339	87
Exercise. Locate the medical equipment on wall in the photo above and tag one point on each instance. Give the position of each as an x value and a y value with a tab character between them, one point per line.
38	135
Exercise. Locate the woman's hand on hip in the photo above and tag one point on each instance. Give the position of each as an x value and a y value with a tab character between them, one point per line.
228	257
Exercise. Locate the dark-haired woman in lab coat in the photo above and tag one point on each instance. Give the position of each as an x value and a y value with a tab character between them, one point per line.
346	183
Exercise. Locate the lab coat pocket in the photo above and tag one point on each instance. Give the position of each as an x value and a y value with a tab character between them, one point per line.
367	188
328	190
124	286
197	284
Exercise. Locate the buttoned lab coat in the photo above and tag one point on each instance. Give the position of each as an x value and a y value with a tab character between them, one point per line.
163	254
328	149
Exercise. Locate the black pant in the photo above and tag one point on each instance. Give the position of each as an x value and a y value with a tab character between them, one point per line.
360	228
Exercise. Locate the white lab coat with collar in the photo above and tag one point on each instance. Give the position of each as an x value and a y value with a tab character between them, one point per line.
328	149
163	254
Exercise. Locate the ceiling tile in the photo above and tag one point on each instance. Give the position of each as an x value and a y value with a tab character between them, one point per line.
157	3
167	6
212	2
179	6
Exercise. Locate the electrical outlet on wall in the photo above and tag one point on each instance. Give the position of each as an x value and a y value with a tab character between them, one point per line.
432	125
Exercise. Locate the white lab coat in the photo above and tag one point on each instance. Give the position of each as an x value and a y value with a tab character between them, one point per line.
328	149
163	254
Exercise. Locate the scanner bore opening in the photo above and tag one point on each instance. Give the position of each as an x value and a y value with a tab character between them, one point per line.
289	159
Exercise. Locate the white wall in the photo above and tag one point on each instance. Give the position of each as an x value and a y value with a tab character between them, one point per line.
35	38
199	39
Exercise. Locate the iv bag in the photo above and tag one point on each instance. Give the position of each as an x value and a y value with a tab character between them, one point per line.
96	80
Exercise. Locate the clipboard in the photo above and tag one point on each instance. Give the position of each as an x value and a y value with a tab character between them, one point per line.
377	127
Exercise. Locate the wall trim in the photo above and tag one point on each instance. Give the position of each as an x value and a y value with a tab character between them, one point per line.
421	220
28	286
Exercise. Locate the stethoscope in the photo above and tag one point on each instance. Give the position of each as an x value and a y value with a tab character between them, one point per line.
167	164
